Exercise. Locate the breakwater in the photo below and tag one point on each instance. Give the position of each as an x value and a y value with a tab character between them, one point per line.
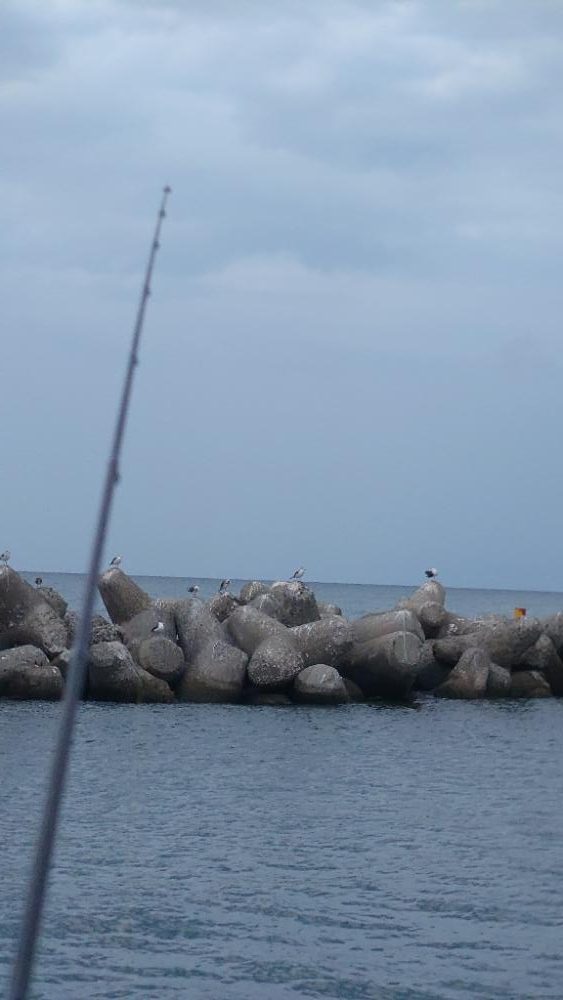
273	644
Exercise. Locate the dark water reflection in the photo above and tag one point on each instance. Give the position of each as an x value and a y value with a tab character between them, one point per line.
232	852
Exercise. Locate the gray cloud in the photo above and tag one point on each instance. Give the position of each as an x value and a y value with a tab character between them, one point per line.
358	292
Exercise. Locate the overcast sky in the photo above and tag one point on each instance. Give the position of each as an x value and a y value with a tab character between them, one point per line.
352	356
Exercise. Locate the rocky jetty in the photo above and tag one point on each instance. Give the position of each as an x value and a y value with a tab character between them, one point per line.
271	645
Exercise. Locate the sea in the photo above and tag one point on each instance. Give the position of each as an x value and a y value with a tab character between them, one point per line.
268	853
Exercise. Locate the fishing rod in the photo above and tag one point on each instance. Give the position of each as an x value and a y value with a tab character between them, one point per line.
27	942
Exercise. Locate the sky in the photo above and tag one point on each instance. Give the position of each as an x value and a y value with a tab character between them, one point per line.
352	354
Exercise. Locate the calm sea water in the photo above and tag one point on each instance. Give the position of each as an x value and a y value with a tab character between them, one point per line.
354	852
354	598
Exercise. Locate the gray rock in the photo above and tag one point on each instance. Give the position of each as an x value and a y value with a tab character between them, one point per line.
196	627
541	656
140	627
430	672
217	673
498	682
469	677
275	663
53	598
553	627
328	641
529	684
101	629
299	604
430	592
375	625
122	597
328	610
249	627
505	641
252	589
320	684
153	690
26	618
269	605
62	662
385	667
162	658
222	605
26	674
432	617
114	676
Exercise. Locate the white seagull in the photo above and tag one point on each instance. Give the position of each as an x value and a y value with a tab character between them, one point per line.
299	573
224	586
5	557
116	561
159	627
194	589
431	573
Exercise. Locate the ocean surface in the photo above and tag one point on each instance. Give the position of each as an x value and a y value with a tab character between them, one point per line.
251	853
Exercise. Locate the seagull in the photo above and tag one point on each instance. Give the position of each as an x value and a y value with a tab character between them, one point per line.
116	561
159	627
194	589
431	573
224	586
5	557
298	573
38	581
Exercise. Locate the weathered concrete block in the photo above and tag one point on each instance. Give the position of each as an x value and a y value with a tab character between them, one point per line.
26	618
252	589
27	675
275	663
328	641
320	684
375	625
498	682
217	673
299	604
529	684
248	627
223	605
430	672
53	598
162	658
328	610
114	676
385	667
196	627
122	597
100	630
430	592
469	677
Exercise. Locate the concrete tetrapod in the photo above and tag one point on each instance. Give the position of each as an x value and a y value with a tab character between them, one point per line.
122	597
26	618
26	674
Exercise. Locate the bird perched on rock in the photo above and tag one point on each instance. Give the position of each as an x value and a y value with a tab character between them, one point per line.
299	572
431	573
116	561
224	586
159	627
38	581
194	589
5	557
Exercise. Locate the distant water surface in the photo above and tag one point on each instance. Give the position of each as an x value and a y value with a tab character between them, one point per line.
354	598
